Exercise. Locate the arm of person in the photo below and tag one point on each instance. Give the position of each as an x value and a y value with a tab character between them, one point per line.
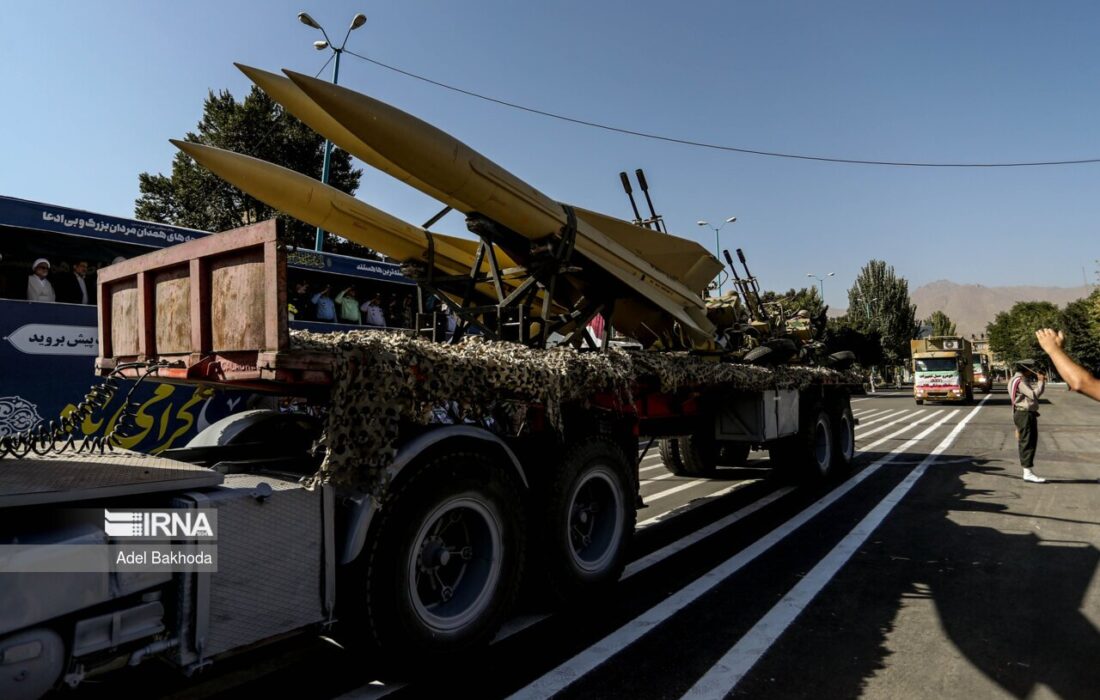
1077	377
1032	391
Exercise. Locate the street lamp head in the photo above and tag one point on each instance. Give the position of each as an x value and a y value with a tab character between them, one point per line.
358	21
830	274
320	45
702	223
731	219
809	274
305	19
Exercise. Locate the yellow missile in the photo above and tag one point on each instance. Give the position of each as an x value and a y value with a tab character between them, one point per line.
464	179
283	90
321	205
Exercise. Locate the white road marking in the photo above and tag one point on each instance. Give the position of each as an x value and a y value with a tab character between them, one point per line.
669	514
650	469
869	412
907	416
675	489
878	419
659	477
683	543
894	434
566	673
724	676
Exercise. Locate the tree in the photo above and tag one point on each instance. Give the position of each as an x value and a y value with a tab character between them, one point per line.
878	303
1081	324
1012	332
258	127
941	324
794	301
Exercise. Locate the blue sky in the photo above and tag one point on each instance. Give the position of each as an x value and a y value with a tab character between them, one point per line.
92	92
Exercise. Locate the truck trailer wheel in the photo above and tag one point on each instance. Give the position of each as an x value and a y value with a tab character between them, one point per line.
809	454
588	520
444	562
699	454
669	450
844	439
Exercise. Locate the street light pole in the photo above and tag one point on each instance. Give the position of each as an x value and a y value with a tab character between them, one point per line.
821	283
717	243
357	21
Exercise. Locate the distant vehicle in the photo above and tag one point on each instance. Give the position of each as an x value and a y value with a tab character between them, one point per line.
943	369
983	375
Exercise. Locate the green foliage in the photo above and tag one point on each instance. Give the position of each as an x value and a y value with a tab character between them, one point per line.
1081	325
1012	332
194	197
795	300
879	304
941	324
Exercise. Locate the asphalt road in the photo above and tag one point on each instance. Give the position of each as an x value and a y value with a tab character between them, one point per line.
933	570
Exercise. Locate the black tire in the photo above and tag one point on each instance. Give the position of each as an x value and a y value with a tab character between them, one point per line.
841	360
669	450
919	402
734	454
808	456
443	565
698	454
844	440
588	521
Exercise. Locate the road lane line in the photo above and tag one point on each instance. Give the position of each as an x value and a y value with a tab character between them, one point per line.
639	565
566	673
724	676
674	490
891	436
650	469
879	418
659	477
907	416
870	412
679	510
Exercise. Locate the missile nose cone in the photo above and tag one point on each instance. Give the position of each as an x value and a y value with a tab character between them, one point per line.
260	77
185	146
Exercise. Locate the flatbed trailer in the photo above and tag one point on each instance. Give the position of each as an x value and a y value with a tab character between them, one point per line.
412	523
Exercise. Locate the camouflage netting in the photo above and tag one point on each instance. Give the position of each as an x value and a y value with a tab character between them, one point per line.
381	379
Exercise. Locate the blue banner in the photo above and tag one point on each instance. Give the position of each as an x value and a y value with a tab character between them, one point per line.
47	361
24	214
302	259
20	213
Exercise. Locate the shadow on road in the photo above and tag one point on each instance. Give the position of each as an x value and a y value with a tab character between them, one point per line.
1008	602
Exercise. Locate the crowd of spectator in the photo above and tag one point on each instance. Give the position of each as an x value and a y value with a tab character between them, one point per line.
317	302
74	283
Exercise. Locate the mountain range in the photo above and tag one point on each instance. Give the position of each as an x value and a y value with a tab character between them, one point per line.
973	306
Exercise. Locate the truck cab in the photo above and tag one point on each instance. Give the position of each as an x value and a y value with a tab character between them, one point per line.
983	375
943	369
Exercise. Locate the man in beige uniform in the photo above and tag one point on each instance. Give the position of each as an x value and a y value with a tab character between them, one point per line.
1024	390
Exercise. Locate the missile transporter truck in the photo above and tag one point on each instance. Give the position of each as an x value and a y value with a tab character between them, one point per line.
432	475
943	369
